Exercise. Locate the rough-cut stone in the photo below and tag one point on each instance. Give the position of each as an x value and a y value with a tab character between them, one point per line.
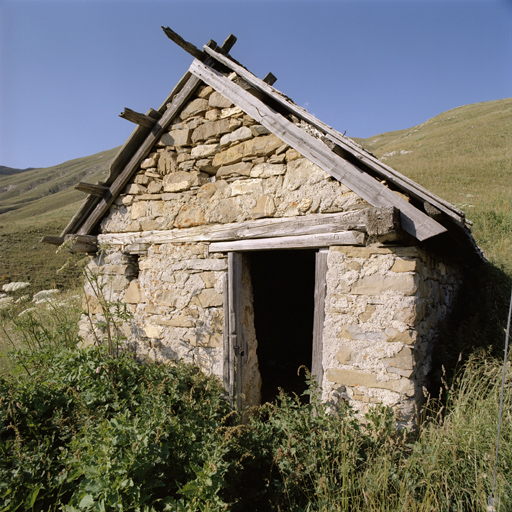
239	169
210	298
243	133
149	162
216	100
404	359
195	107
177	138
402	265
369	380
258	130
213	129
376	284
181	180
189	216
132	295
204	150
246	187
265	170
265	207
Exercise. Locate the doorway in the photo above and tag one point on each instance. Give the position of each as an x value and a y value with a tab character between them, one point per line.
283	283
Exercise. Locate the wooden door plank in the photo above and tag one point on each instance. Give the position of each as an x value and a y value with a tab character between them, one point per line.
236	333
318	324
413	221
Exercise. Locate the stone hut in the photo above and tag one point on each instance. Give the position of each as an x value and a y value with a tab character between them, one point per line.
249	238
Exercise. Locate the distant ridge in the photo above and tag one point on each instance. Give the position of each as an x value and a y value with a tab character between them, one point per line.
9	171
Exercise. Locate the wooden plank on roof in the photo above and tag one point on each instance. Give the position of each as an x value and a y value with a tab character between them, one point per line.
261	228
177	103
413	220
188	47
90	188
291	242
346	143
138	118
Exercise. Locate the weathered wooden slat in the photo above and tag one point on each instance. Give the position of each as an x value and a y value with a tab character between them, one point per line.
346	143
291	242
228	43
53	240
317	368
94	190
226	346
81	243
270	78
236	334
138	118
188	47
261	228
413	220
123	178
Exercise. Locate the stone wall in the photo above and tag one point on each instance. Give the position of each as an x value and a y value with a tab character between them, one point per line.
384	307
216	165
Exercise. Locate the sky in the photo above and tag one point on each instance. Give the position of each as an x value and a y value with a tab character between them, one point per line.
68	68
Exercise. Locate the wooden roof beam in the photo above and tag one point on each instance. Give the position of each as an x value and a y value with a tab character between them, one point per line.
138	118
93	190
414	221
188	47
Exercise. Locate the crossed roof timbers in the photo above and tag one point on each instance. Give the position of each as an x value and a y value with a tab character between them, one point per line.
422	214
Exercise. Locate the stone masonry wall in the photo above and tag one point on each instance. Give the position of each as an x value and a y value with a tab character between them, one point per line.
216	165
384	306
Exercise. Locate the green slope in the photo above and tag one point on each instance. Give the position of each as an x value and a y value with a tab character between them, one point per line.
39	202
36	191
463	155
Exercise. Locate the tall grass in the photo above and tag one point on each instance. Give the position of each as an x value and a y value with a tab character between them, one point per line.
82	430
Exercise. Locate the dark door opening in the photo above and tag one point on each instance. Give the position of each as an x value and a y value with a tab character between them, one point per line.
283	287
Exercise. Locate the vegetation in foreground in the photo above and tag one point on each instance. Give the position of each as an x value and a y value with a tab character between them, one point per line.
82	430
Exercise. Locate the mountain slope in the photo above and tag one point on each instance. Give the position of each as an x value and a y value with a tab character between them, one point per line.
35	191
464	155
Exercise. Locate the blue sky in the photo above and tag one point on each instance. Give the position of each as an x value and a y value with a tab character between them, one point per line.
69	67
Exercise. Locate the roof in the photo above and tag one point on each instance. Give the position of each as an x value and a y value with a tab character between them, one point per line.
423	215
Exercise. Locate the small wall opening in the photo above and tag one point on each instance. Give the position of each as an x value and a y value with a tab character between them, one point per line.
283	291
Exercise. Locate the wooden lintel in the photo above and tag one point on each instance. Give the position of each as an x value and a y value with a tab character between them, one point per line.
270	79
291	242
138	118
322	223
93	190
188	47
54	240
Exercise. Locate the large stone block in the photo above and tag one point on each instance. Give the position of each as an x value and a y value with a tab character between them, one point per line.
211	130
182	180
354	378
239	135
244	187
216	100
189	216
194	108
204	150
376	284
266	170
177	138
265	207
209	298
239	169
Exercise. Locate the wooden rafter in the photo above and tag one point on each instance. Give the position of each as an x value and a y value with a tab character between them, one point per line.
413	220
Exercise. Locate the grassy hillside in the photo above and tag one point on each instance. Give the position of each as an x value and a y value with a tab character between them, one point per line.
39	202
463	155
